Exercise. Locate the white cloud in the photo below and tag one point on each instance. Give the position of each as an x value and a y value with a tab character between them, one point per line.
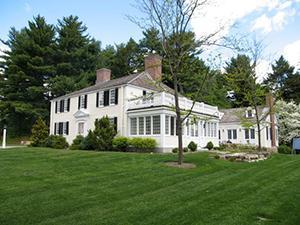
273	23
292	53
225	13
262	69
3	48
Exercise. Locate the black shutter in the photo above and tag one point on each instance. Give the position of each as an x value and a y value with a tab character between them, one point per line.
79	102
56	107
67	128
144	93
55	124
116	96
85	101
62	104
68	108
106	98
116	123
97	100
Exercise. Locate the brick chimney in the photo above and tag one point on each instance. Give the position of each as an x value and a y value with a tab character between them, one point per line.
103	75
153	66
270	104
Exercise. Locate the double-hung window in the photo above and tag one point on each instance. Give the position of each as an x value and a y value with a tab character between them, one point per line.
133	126
112	97
252	133
156	124
141	126
167	124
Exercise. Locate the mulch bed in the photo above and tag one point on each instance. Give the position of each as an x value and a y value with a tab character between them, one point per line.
182	166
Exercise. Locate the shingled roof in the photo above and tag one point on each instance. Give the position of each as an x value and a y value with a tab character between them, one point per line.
234	115
142	79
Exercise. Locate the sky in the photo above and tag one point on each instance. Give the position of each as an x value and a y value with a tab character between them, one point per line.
276	22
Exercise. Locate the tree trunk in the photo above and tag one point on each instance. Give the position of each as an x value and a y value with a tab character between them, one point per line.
258	128
178	121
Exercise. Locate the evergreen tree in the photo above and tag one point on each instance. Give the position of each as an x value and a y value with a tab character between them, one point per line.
281	71
291	90
76	57
39	133
27	68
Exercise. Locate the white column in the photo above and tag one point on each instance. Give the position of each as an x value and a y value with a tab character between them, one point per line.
4	138
162	130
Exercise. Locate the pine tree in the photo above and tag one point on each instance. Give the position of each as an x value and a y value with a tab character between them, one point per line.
76	58
281	71
27	68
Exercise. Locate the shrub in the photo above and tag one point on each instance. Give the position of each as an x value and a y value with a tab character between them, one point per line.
143	144
209	145
192	146
185	149
175	150
103	134
39	133
88	142
284	149
77	142
55	141
120	143
217	157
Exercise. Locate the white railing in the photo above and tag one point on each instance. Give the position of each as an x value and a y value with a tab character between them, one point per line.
166	99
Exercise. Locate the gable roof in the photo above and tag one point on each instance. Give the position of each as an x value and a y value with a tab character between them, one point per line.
142	79
233	115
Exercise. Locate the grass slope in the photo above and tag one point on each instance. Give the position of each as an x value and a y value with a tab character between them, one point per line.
43	186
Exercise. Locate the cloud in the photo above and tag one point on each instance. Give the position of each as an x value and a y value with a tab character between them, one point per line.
273	23
292	53
28	7
262	69
222	14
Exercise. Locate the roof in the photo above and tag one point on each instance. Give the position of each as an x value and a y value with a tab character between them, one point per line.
142	79
234	115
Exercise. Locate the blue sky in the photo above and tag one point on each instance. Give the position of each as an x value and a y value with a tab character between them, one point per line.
275	21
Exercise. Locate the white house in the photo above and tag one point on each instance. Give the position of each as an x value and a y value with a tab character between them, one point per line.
139	105
231	127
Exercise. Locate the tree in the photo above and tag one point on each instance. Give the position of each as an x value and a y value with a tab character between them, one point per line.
281	72
241	76
39	133
76	57
103	134
289	121
172	19
27	68
291	90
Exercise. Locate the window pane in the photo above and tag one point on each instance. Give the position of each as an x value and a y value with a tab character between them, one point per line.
112	96
172	125
234	134
141	125
192	130
246	133
208	129
101	96
196	129
133	126
148	125
229	134
252	133
167	124
156	124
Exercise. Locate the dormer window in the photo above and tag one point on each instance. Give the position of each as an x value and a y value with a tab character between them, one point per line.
249	113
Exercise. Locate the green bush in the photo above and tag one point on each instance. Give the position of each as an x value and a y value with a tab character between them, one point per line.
55	141
175	150
209	145
121	143
39	133
88	142
192	146
103	134
142	144
217	157
185	149
284	149
77	142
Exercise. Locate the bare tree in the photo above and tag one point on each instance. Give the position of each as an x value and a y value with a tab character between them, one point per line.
172	18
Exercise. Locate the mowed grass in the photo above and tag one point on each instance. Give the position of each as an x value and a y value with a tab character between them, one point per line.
46	186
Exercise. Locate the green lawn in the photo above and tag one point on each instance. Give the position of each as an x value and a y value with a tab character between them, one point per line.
45	186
